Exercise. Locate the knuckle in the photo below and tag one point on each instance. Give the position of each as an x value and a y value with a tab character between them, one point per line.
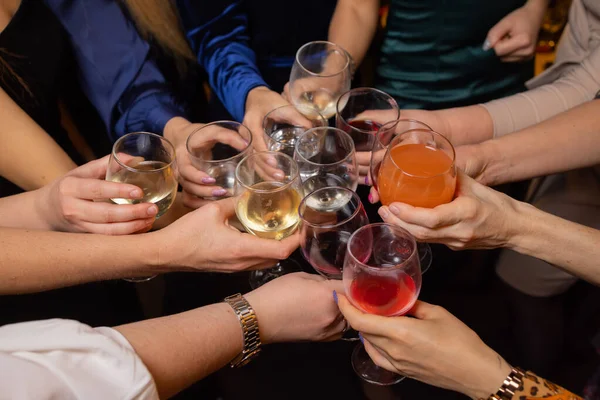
65	185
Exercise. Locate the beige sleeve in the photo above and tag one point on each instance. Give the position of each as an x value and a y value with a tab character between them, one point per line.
577	84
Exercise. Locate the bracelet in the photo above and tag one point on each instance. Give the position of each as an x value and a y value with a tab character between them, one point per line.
511	384
249	323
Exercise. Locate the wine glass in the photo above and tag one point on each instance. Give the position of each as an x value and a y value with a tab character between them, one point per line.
145	160
283	125
382	275
362	111
216	149
268	191
326	157
320	74
384	136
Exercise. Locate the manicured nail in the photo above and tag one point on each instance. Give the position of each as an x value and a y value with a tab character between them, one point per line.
486	45
335	298
271	161
279	175
395	210
219	192
208	179
152	210
366	180
383	212
370	198
362	339
136	193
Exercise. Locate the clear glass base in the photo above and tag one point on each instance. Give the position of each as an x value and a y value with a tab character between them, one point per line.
260	277
140	279
367	370
425	256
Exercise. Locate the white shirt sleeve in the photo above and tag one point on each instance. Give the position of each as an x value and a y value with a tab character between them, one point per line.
64	359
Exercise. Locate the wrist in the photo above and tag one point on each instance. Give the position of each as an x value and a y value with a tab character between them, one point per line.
490	375
43	210
264	319
493	163
158	253
254	95
173	127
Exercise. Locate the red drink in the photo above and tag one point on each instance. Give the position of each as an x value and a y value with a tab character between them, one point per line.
365	125
362	131
384	295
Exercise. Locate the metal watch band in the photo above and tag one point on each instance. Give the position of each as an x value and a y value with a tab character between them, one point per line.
511	384
249	323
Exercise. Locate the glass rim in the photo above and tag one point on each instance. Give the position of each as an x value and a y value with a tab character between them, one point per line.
396	122
402	265
320	117
220	160
354	214
366	89
134	169
337	130
417	176
338	48
296	172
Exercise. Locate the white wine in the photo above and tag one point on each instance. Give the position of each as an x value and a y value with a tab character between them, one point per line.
269	213
321	99
159	187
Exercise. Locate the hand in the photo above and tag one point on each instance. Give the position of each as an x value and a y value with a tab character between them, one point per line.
434	347
298	307
472	160
204	240
478	218
514	38
196	184
74	203
259	102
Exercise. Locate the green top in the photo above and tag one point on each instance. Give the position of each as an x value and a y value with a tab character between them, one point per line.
432	55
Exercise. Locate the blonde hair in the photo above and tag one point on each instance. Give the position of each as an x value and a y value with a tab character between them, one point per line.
159	19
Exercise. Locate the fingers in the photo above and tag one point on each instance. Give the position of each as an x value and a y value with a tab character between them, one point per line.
96	189
497	33
432	218
368	323
202	190
378	356
118	228
511	45
231	138
105	213
373	195
93	169
193	202
422	310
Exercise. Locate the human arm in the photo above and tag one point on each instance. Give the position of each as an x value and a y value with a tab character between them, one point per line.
199	241
436	348
30	158
482	218
514	37
353	26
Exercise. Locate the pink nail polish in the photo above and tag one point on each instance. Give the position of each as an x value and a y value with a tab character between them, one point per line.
208	180
366	180
219	192
370	198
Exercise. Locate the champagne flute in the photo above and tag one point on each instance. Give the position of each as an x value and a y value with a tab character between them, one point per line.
382	275
216	149
145	160
362	111
320	74
384	136
283	125
268	192
326	157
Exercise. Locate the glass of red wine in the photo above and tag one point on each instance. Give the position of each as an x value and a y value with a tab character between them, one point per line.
362	111
382	275
383	138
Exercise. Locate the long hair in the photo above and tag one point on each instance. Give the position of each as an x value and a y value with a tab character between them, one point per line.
7	71
158	19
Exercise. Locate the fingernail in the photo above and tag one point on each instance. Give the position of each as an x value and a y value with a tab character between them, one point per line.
395	210
486	45
383	212
152	210
208	179
362	339
370	198
279	175
219	192
335	298
367	181
272	162
136	193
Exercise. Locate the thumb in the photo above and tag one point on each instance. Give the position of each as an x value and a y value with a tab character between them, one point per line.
94	169
498	31
422	310
360	321
465	184
227	207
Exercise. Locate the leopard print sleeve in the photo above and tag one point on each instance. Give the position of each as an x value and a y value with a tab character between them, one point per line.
534	387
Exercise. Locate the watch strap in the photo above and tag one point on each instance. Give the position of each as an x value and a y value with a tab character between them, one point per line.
249	324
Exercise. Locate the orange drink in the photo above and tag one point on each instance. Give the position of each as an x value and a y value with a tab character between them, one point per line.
418	169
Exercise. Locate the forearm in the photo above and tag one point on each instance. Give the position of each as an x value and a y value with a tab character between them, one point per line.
21	211
568	141
181	349
35	261
466	125
565	244
353	26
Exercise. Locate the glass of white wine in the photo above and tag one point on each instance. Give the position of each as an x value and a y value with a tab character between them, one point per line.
320	74
268	193
147	161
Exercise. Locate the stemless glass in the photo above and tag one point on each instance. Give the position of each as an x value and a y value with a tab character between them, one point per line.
268	192
362	111
216	149
382	275
326	157
283	125
320	74
145	160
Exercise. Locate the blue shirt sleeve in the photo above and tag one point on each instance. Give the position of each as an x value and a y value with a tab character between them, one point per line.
116	71
217	33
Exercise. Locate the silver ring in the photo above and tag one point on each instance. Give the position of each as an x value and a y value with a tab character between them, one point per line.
346	326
